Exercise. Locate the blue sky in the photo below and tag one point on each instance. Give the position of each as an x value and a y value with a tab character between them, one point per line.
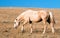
30	3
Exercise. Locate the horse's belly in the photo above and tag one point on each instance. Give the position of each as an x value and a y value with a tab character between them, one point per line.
35	18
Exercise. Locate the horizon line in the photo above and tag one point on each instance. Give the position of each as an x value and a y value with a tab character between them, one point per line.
28	7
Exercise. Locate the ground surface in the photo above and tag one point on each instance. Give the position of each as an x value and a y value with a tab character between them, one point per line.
7	16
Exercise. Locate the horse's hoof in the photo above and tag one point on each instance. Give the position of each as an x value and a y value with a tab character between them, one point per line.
15	27
43	33
22	31
53	32
30	33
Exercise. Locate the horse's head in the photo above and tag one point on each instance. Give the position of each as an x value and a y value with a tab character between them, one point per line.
16	23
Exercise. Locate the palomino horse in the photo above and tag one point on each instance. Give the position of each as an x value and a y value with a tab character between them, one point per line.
30	16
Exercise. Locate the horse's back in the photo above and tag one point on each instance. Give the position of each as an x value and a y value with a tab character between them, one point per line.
34	15
43	13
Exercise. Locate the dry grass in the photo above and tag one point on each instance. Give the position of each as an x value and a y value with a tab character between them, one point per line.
7	16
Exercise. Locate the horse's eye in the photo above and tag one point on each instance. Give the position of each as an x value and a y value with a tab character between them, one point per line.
19	23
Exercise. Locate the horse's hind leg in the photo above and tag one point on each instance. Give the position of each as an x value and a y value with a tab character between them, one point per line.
52	27
45	26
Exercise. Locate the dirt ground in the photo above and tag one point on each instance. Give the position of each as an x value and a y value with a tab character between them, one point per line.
7	16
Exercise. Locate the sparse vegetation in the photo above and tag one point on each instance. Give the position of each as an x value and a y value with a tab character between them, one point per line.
8	15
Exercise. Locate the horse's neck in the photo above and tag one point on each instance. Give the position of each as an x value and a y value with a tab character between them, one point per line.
19	17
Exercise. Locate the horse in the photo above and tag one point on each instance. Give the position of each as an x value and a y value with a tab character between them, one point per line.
31	16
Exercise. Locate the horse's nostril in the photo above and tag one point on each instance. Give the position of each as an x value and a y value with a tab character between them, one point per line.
15	27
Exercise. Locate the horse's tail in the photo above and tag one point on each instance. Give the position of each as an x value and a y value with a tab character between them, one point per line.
52	20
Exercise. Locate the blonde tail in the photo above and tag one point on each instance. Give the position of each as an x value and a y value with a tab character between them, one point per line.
51	17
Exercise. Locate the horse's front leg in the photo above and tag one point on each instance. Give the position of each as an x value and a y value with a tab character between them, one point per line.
31	28
22	29
45	26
